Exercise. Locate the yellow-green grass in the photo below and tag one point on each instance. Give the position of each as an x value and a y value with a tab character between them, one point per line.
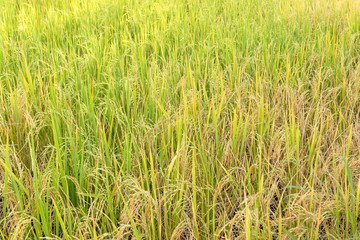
179	119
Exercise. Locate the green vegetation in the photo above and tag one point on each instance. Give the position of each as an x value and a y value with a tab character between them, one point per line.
179	119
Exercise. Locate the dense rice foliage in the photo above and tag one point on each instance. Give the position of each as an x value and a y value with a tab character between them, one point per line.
179	119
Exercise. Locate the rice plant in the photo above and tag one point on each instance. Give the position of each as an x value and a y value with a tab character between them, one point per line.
179	119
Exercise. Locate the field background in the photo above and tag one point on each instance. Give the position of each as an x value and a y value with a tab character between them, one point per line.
179	119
